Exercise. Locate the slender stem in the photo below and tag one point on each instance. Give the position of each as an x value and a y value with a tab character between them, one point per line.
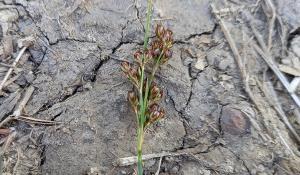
155	67
141	115
151	79
139	149
141	96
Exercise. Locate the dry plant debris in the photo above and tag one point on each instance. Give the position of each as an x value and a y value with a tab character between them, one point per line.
265	52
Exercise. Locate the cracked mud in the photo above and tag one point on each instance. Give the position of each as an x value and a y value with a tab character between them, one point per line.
75	63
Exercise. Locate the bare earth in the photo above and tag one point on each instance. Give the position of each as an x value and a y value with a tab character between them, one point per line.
74	66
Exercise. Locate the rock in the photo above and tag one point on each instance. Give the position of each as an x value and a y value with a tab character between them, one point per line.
201	63
234	122
7	16
94	171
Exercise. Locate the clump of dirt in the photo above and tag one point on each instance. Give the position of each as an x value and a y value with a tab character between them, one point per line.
74	67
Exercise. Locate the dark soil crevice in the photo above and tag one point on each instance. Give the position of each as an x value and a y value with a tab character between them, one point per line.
203	33
71	39
192	36
96	69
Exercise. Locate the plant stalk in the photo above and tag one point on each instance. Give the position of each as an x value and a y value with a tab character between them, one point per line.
148	84
142	107
139	149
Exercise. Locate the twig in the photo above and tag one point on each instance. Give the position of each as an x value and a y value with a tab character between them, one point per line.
12	68
132	160
37	121
159	164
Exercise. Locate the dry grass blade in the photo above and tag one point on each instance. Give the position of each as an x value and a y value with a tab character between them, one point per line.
37	121
12	68
132	160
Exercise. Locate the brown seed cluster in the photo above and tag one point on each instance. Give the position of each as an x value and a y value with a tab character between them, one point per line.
162	44
158	53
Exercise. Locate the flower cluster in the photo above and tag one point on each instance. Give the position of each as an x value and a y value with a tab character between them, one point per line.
161	46
131	73
158	53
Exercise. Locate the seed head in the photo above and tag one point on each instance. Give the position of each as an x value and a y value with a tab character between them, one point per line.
159	31
156	113
132	98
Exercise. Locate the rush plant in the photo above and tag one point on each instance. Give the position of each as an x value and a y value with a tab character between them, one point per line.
145	95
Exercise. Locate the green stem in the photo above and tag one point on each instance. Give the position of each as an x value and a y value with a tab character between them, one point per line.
150	80
141	115
155	67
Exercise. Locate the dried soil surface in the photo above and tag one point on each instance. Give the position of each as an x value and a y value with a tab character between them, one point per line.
74	66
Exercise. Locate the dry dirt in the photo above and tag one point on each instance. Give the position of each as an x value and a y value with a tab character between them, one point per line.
74	66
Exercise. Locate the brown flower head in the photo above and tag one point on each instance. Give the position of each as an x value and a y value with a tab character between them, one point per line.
138	56
132	98
131	73
155	94
159	31
162	44
156	113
